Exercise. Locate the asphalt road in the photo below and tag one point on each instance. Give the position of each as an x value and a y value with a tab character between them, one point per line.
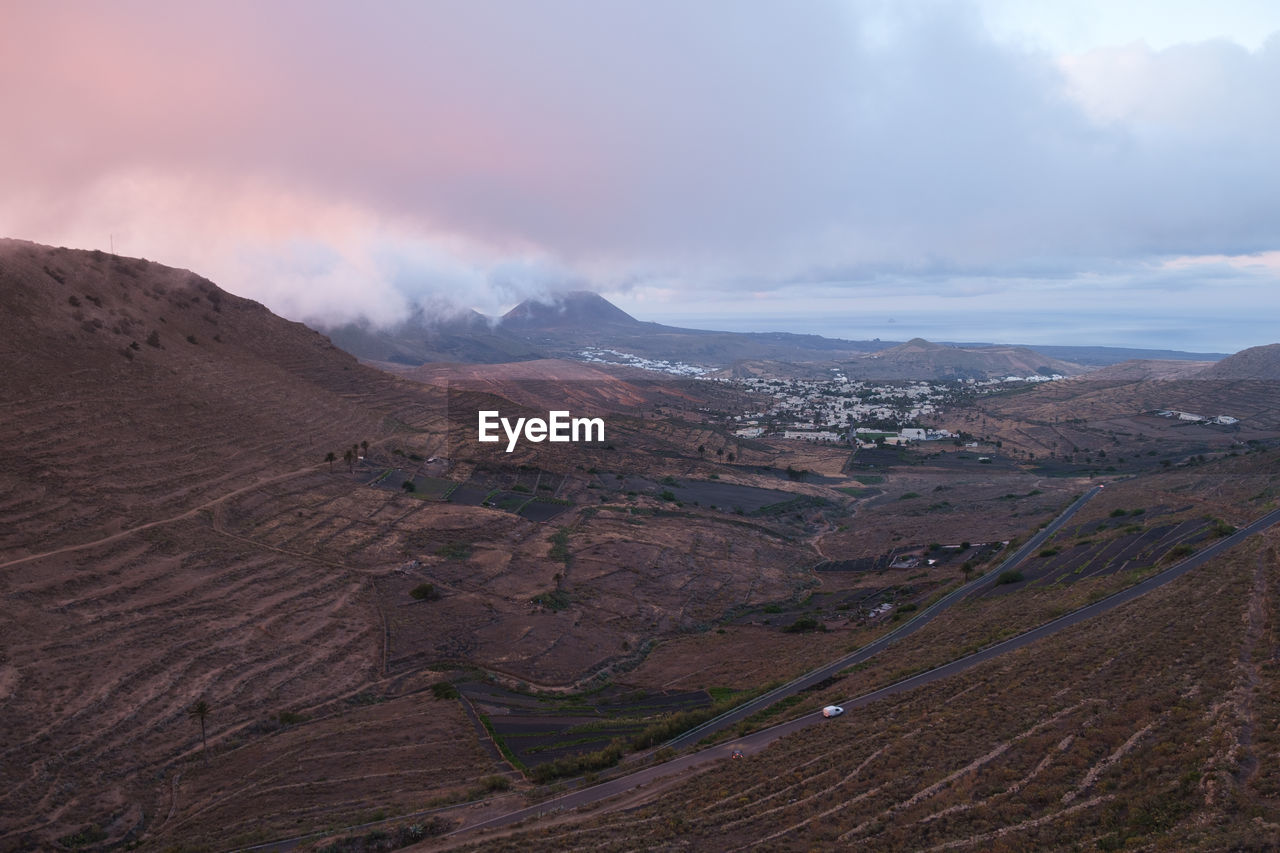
873	648
759	740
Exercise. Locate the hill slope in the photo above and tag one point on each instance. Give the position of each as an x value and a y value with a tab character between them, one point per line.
579	309
921	359
129	389
1253	363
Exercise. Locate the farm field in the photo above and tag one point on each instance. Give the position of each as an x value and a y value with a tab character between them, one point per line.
174	532
1133	728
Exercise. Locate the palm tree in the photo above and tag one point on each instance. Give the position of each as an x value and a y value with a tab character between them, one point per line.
349	458
199	711
329	457
364	447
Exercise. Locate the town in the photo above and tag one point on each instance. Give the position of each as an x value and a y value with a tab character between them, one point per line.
840	410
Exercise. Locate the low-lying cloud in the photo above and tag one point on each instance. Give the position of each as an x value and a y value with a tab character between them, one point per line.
340	161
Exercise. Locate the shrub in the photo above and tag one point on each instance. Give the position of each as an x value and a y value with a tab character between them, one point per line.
153	339
444	690
574	765
804	625
425	592
557	600
494	783
559	545
1010	576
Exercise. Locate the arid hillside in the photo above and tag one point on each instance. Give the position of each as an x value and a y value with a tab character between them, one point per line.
171	533
1152	728
1252	363
921	359
132	391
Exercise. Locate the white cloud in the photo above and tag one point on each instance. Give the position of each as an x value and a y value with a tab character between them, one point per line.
484	151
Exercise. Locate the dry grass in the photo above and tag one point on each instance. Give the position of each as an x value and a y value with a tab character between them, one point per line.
1130	729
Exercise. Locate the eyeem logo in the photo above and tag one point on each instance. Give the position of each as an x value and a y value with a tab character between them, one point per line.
558	427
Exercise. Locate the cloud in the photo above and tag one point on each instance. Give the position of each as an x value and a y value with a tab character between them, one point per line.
339	161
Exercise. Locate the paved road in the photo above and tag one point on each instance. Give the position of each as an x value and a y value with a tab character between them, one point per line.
759	740
873	648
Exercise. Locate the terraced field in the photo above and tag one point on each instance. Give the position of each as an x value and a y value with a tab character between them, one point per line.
1148	727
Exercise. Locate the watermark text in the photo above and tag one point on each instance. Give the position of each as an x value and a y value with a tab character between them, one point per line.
558	426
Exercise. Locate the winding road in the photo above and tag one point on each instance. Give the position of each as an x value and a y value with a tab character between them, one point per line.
757	741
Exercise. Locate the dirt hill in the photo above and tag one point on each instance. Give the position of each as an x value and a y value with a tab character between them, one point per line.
171	534
1144	369
921	359
131	389
1253	363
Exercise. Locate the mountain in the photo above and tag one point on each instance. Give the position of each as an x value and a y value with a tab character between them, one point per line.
579	309
470	337
133	388
1103	356
921	359
581	320
565	326
1144	369
1253	363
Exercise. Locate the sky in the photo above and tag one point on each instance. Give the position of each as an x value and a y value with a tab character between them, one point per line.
1012	171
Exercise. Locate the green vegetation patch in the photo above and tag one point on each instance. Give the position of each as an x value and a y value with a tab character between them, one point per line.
554	600
425	592
559	545
454	550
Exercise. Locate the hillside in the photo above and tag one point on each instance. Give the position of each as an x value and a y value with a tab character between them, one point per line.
470	337
921	359
579	309
170	533
131	389
1257	363
149	413
1148	369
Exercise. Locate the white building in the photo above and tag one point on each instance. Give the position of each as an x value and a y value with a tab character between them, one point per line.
805	435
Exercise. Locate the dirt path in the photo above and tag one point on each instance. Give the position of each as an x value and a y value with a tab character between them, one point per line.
150	524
